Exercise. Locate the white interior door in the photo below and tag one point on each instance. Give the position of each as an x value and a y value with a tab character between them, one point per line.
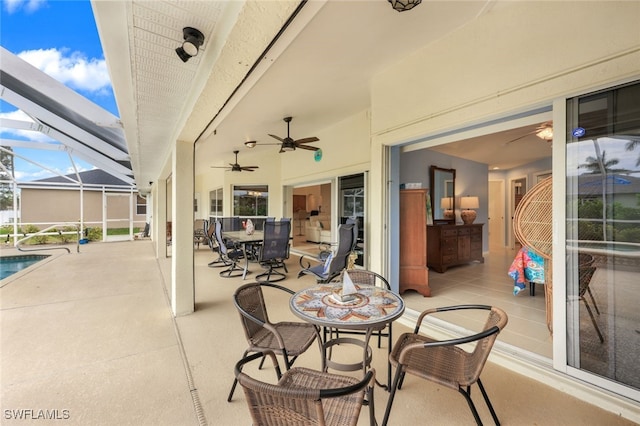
496	215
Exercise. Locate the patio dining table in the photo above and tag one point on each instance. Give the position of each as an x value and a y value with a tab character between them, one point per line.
243	239
372	307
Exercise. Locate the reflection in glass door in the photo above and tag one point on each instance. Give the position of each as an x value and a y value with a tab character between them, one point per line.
603	235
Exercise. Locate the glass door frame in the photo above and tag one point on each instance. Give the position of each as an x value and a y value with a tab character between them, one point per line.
560	307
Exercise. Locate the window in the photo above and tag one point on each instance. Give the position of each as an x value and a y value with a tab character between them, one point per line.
141	205
215	203
603	234
251	200
353	202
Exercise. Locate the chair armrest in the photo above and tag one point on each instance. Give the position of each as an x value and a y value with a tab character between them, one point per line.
306	264
445	309
404	353
238	367
368	380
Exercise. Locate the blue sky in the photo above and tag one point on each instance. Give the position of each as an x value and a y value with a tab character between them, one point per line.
60	38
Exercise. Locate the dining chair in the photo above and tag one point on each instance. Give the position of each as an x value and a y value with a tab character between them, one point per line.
585	274
303	396
230	255
447	362
218	262
199	232
286	338
336	262
274	250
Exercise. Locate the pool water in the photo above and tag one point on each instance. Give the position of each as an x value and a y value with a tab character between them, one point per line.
9	265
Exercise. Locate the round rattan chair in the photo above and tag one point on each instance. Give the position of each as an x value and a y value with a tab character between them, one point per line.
532	227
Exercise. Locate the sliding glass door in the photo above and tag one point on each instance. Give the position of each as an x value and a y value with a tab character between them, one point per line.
603	236
353	205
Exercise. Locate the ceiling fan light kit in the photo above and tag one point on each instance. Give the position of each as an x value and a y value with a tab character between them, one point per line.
288	144
546	133
235	167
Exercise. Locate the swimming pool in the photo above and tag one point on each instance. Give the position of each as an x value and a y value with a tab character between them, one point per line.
9	265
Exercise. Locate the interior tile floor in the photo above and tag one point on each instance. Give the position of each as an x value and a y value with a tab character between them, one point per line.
89	338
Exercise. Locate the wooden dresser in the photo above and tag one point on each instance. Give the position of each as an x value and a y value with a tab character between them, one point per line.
414	274
449	245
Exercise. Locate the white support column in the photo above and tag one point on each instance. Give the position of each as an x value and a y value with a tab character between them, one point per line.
182	280
159	227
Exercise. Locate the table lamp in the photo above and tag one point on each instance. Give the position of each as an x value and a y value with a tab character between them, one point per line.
467	204
447	205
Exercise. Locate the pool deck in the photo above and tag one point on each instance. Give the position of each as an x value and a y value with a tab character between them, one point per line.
89	337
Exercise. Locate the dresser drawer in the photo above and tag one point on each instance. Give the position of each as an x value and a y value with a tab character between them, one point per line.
449	259
449	232
463	231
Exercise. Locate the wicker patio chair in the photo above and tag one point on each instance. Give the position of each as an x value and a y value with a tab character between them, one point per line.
585	273
532	227
446	362
286	338
200	232
305	397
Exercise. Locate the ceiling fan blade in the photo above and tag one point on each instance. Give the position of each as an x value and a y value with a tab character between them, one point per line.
308	148
307	140
276	137
248	169
520	137
219	167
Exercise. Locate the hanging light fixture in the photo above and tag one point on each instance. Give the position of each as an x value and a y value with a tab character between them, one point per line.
404	5
545	132
193	39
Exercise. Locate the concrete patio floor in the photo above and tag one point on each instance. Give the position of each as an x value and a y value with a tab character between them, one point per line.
89	339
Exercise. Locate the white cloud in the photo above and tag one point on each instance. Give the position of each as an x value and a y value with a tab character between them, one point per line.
31	135
74	70
29	6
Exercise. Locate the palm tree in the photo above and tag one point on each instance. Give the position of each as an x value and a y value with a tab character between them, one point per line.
631	146
600	165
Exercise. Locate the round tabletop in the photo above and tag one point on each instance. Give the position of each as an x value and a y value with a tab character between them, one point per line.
371	307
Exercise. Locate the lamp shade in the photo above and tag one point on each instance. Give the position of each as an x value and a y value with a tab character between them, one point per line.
469	203
445	203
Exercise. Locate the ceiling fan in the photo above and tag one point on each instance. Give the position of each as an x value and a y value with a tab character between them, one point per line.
237	167
543	131
288	144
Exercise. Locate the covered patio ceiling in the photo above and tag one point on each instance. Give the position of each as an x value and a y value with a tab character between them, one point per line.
260	61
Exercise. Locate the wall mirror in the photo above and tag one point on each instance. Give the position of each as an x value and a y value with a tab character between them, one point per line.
443	189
